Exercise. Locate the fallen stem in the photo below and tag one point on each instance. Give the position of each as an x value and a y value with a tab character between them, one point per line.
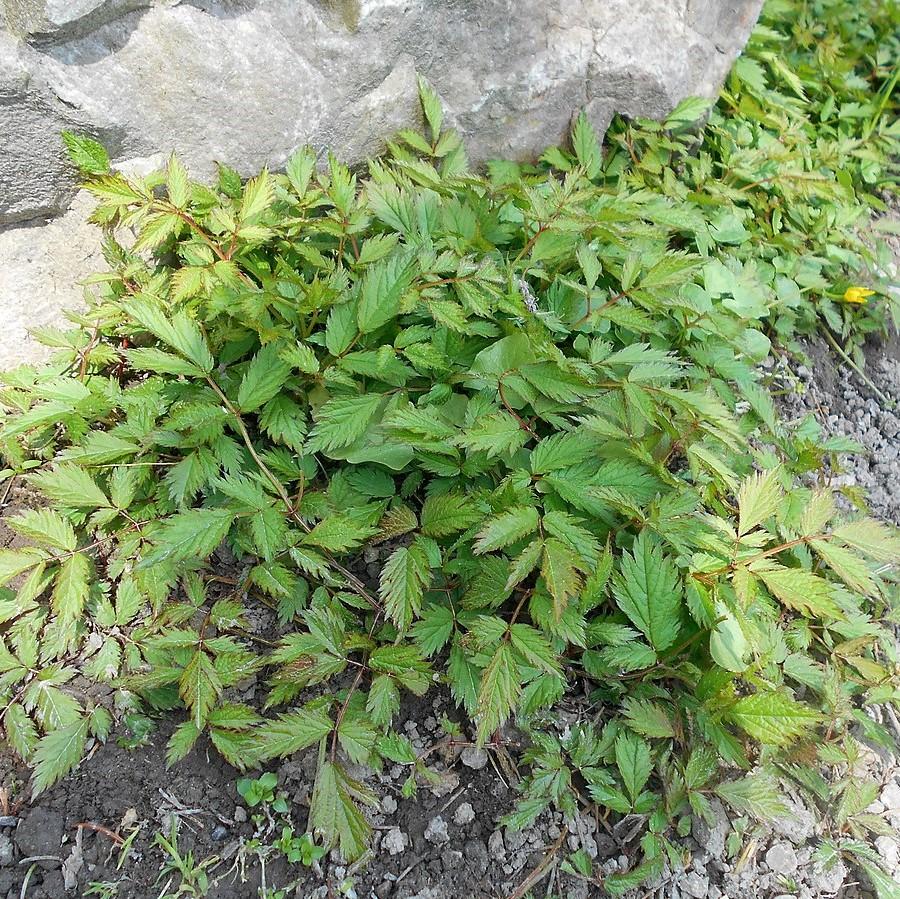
541	869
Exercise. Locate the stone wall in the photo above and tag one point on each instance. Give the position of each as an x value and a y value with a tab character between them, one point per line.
247	81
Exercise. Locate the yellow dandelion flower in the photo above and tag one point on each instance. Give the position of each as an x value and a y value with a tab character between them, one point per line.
857	294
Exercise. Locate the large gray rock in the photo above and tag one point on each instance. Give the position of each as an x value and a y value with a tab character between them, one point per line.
40	270
247	82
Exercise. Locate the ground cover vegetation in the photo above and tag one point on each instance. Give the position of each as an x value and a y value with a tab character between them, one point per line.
537	392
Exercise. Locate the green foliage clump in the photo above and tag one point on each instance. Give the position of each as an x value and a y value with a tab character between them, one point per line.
534	393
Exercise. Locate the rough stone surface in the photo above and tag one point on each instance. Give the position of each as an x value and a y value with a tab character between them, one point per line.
711	837
40	270
798	825
890	796
827	881
248	82
782	858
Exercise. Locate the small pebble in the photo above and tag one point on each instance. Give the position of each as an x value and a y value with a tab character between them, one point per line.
219	833
395	841
473	757
436	832
782	859
464	814
890	796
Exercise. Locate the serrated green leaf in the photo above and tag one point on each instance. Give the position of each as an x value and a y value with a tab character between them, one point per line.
90	156
506	528
192	534
263	379
647	590
755	794
291	732
559	568
633	762
773	718
334	814
56	754
403	581
70	485
758	499
448	513
648	718
499	690
340	421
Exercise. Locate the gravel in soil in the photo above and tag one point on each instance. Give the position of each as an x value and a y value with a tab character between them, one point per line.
844	406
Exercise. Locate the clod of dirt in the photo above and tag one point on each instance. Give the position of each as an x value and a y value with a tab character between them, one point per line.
395	841
437	832
464	814
495	846
40	833
7	852
889	850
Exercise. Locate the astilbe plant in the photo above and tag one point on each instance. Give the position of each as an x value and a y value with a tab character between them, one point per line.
523	387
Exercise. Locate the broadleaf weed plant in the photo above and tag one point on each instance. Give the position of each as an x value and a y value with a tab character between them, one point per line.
536	392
